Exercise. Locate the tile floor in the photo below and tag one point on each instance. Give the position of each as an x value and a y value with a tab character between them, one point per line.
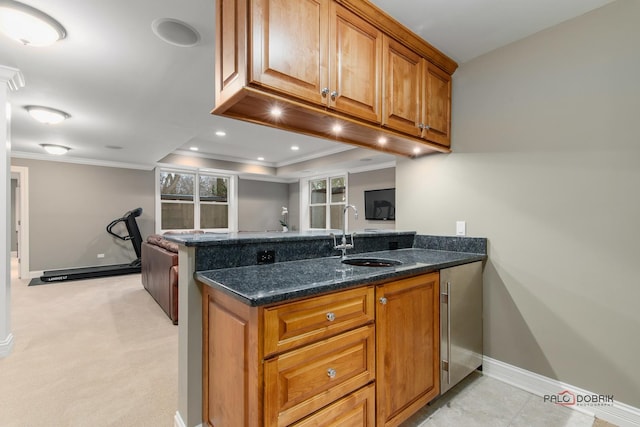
480	401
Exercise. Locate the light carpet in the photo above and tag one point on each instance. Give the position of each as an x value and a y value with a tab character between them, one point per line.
97	352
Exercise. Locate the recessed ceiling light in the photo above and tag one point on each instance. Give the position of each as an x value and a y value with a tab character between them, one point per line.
276	112
28	25
295	147
261	158
46	115
337	128
382	140
57	150
175	32
221	133
416	150
193	148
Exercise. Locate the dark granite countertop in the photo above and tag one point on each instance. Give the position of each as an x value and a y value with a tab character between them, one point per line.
258	285
208	239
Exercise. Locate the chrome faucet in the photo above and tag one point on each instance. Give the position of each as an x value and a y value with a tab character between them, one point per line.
343	246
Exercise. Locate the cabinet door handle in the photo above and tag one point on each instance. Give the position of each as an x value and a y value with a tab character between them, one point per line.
331	373
383	301
426	127
334	95
324	92
331	316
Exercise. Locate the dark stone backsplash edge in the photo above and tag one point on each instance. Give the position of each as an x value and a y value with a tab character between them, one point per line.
475	245
240	252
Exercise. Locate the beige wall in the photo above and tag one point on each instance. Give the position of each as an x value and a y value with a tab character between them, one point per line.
70	206
260	204
546	164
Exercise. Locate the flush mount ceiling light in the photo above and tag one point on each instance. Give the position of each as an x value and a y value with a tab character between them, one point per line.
193	148
221	133
46	115
28	25
295	148
57	150
175	32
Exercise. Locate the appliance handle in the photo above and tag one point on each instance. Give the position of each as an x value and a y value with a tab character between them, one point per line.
449	331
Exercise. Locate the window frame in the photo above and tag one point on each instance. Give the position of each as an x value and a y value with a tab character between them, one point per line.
232	199
305	200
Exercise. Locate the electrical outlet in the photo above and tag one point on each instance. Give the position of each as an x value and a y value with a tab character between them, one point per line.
266	257
461	228
100	255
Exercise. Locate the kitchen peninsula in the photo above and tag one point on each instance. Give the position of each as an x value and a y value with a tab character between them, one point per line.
289	341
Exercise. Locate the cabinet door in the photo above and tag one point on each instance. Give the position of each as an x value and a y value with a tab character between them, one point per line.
289	46
355	58
436	107
408	347
402	87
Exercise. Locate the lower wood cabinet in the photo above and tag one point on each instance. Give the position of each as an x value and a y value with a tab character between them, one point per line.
328	360
408	347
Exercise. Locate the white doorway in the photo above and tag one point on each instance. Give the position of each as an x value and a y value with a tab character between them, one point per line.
21	218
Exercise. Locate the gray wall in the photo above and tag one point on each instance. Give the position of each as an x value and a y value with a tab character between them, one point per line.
546	164
70	206
260	204
370	180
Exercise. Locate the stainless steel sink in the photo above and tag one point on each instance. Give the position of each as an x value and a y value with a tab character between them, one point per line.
371	262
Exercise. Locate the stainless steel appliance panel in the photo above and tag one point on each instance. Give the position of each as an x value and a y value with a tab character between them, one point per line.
460	322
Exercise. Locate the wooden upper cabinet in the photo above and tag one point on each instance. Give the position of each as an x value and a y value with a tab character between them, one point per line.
318	51
231	57
436	107
417	95
326	62
356	59
403	83
289	46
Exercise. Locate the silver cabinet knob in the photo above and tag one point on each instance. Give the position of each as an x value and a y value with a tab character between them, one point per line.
334	95
331	316
331	373
421	126
383	301
324	92
426	127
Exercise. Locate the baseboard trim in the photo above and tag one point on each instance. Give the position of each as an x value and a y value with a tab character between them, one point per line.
619	413
6	345
178	422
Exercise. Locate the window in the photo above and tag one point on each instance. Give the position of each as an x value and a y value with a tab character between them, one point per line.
326	200
191	200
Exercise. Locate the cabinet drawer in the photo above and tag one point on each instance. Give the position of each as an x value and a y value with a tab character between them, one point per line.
292	325
355	410
302	381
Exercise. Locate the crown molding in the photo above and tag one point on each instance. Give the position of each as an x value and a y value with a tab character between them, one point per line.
80	161
12	77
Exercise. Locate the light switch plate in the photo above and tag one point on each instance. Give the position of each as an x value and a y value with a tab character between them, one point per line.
461	228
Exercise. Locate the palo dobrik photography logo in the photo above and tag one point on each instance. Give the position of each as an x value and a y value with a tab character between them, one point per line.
568	398
564	398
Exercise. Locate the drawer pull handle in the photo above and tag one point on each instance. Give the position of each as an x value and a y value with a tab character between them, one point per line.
331	316
331	373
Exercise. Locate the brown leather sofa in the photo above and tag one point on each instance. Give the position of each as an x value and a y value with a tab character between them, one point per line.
160	273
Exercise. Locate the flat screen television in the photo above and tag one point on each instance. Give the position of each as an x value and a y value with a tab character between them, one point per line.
380	204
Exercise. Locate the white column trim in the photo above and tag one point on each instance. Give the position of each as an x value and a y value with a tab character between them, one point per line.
6	345
10	79
619	413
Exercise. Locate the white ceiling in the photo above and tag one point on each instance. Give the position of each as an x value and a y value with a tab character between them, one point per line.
124	87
